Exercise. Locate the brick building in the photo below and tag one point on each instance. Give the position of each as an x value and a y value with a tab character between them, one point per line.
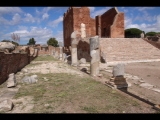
108	25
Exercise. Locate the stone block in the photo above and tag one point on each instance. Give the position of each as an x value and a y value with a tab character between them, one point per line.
11	82
6	105
118	70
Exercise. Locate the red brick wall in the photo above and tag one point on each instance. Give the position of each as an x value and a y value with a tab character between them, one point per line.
112	24
67	26
72	22
11	63
117	29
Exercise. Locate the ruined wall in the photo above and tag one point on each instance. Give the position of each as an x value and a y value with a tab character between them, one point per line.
128	49
67	26
112	24
83	50
117	29
11	63
98	25
72	22
82	15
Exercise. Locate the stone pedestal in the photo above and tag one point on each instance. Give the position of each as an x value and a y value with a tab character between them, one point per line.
118	80
95	55
61	53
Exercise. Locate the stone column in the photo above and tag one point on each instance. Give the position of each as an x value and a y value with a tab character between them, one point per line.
54	52
95	55
142	35
61	53
35	52
74	43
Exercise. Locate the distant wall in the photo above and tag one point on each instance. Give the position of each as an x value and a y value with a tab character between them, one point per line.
12	63
112	24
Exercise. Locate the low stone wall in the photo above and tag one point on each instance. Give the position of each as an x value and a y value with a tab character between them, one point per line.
47	51
12	63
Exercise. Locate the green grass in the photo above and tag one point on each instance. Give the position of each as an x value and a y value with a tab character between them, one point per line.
88	95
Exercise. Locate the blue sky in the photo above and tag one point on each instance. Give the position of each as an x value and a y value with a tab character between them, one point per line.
43	23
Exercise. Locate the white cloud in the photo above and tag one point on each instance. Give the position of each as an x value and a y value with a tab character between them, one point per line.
145	27
59	36
99	12
45	16
22	27
55	23
144	8
29	18
6	10
145	17
124	9
46	9
41	35
15	20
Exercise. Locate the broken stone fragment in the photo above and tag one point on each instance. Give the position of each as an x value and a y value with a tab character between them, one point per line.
6	105
24	70
31	79
82	61
11	82
118	70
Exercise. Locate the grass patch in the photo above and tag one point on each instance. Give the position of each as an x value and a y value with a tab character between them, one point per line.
90	109
80	94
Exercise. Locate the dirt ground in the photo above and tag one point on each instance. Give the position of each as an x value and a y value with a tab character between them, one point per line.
150	71
62	88
144	80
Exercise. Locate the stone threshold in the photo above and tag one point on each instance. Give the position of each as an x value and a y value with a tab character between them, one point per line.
132	61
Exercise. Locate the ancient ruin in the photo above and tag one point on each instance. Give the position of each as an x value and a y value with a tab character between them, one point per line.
98	49
108	25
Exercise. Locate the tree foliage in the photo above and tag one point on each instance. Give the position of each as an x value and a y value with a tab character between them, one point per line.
31	41
151	33
53	42
15	43
133	33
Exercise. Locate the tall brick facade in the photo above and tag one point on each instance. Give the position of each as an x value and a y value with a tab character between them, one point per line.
72	22
110	24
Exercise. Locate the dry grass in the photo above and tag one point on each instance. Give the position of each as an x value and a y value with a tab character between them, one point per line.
66	93
72	94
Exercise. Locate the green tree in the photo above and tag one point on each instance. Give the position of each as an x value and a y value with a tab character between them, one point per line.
151	33
31	42
53	42
133	33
